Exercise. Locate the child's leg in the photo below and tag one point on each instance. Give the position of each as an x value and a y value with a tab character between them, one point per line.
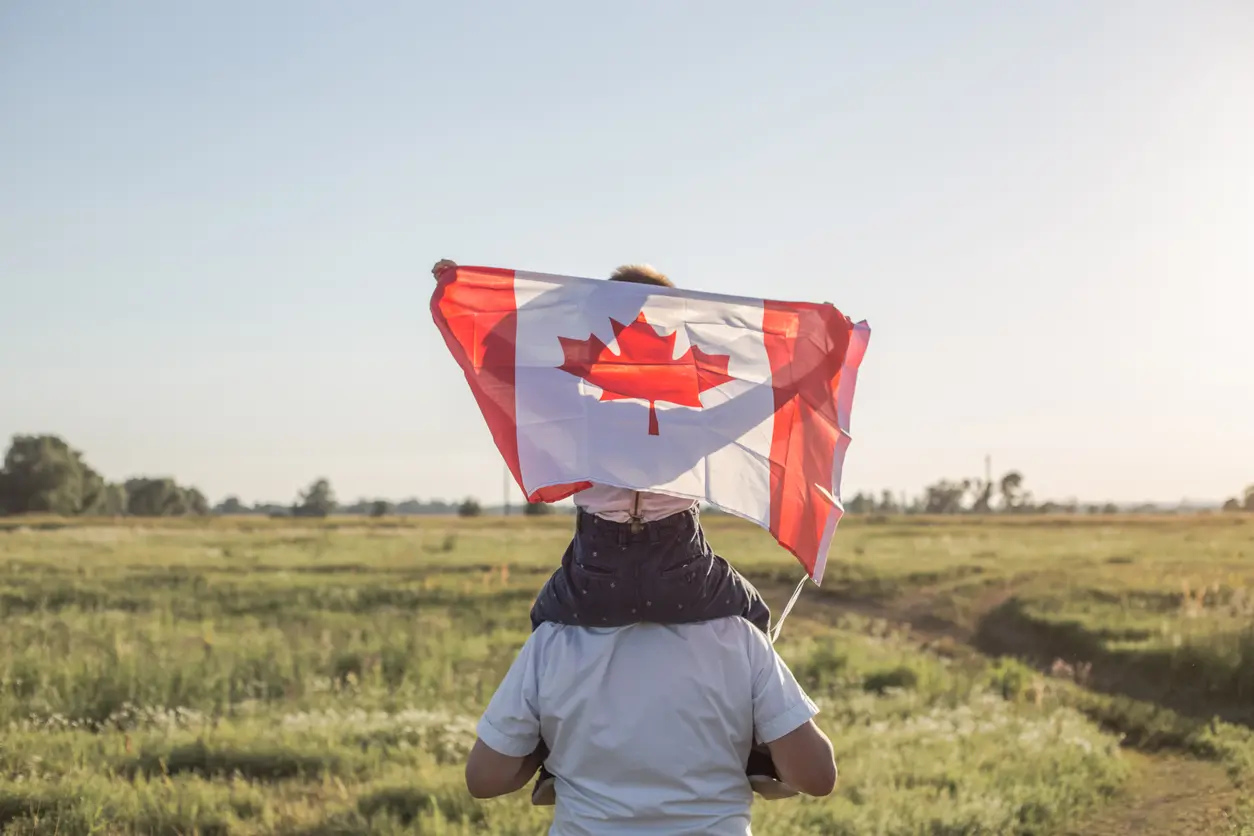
556	601
544	792
737	587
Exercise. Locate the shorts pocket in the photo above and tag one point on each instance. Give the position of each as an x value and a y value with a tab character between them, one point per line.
595	579
688	568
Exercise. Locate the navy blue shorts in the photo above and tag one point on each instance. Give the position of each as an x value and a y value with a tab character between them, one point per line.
664	573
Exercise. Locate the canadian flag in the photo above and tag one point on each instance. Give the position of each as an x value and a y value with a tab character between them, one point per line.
741	403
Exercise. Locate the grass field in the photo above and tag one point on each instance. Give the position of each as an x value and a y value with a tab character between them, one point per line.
258	676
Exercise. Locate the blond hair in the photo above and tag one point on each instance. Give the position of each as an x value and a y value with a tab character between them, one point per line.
641	274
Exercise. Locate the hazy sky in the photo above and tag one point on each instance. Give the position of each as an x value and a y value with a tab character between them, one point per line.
217	221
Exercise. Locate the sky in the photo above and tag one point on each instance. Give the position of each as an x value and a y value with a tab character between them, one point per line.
217	222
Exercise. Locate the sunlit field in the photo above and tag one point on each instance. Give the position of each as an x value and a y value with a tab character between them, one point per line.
266	676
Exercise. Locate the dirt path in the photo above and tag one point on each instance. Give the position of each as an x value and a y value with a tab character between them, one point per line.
1167	795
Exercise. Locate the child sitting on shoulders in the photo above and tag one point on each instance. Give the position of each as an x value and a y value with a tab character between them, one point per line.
642	557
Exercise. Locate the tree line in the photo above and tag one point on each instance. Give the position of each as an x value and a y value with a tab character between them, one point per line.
42	474
1245	503
1006	495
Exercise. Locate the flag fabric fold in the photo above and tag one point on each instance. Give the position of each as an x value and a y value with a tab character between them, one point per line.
737	402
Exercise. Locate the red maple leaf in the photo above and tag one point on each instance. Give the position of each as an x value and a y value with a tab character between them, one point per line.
645	367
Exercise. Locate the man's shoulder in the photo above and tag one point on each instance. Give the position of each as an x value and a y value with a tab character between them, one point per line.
739	629
728	631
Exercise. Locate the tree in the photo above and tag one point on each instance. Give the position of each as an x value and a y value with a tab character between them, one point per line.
380	508
195	503
537	509
1249	498
469	508
888	503
43	474
146	497
1232	505
981	497
94	492
162	497
230	505
317	501
1013	497
945	497
114	501
862	503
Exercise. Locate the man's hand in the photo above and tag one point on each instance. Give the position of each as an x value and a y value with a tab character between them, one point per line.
442	265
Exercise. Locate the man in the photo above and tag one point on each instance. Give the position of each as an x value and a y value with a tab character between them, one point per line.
656	740
649	726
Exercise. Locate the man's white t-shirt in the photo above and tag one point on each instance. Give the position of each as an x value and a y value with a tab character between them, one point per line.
649	726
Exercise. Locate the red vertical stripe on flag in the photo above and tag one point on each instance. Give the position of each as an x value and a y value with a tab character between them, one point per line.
475	311
806	345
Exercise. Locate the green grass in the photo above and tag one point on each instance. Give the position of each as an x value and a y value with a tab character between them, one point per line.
1161	608
262	676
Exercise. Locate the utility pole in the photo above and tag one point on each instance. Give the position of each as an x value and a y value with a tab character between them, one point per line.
988	470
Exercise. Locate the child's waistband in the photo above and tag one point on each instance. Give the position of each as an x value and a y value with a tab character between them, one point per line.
675	523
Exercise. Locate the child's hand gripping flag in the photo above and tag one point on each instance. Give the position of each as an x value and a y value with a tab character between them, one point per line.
741	403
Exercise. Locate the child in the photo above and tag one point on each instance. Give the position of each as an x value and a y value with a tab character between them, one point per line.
638	556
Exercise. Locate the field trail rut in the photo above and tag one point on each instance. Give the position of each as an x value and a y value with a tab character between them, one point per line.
1166	794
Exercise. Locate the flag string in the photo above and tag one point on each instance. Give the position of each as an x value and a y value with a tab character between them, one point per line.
796	593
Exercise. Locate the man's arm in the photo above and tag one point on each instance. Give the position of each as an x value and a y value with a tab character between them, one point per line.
508	749
804	760
490	774
783	719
